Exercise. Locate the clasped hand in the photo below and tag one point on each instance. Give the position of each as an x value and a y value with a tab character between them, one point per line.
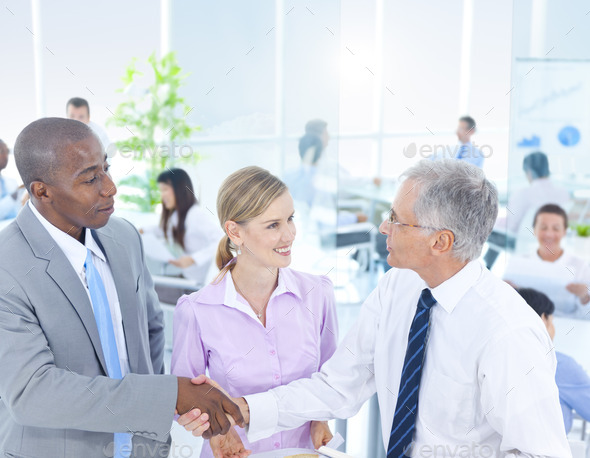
230	445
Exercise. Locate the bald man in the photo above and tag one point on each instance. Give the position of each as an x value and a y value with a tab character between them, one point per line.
81	330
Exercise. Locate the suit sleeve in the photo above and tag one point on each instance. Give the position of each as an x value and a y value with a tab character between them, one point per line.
155	315
38	393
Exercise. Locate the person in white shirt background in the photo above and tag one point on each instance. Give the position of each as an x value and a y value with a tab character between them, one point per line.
9	190
78	108
190	229
541	191
550	225
478	392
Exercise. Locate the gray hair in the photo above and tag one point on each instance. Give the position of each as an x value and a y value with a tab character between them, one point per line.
455	195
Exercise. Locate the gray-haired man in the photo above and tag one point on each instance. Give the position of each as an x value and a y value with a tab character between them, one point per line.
459	362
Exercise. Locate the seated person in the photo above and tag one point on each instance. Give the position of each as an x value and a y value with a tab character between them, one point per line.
9	201
190	229
550	225
572	381
540	192
260	324
315	183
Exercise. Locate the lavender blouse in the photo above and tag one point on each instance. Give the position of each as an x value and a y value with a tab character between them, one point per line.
216	330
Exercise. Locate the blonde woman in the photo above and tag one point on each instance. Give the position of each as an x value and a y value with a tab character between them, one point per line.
259	324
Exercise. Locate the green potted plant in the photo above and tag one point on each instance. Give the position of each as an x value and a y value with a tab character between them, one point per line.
155	115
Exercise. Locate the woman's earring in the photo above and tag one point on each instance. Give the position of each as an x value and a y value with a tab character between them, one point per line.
239	250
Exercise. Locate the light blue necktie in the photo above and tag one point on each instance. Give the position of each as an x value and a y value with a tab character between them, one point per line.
406	409
2	188
106	332
463	151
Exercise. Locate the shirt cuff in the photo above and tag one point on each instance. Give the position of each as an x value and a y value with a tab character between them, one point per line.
264	416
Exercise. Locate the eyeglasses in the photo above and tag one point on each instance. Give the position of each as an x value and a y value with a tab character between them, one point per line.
392	219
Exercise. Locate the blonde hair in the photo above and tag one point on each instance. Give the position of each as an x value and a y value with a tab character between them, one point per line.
243	195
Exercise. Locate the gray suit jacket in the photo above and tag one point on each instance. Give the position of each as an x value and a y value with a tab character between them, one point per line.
56	400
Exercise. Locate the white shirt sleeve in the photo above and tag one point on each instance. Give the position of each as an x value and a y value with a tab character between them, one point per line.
202	235
339	390
519	394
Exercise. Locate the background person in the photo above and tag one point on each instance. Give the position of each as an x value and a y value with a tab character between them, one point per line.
186	225
77	108
467	151
9	190
540	192
550	226
259	324
572	380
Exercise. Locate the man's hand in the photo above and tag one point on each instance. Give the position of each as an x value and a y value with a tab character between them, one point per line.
241	402
195	422
320	433
209	400
228	446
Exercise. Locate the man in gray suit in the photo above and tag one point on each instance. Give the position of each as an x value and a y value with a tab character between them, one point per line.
78	381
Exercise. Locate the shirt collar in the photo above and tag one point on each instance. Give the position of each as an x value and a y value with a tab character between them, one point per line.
72	248
450	292
224	291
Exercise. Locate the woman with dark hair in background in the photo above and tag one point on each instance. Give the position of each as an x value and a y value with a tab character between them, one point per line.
184	224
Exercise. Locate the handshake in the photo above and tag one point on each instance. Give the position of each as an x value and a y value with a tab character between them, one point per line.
206	409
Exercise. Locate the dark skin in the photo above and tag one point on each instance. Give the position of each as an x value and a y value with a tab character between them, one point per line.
208	399
79	195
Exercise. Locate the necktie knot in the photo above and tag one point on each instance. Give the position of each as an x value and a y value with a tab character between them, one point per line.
426	299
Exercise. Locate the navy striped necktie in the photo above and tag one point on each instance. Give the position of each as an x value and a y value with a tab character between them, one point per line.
406	409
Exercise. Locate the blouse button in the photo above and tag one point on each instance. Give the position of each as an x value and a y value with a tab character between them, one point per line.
277	376
277	444
272	353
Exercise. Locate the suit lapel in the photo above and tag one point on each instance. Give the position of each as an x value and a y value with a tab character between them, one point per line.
126	286
62	272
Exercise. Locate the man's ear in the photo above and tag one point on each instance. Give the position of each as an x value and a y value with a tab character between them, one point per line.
443	243
233	231
39	191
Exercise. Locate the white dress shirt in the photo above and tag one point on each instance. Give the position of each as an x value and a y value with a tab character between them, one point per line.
488	378
76	254
550	278
201	238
